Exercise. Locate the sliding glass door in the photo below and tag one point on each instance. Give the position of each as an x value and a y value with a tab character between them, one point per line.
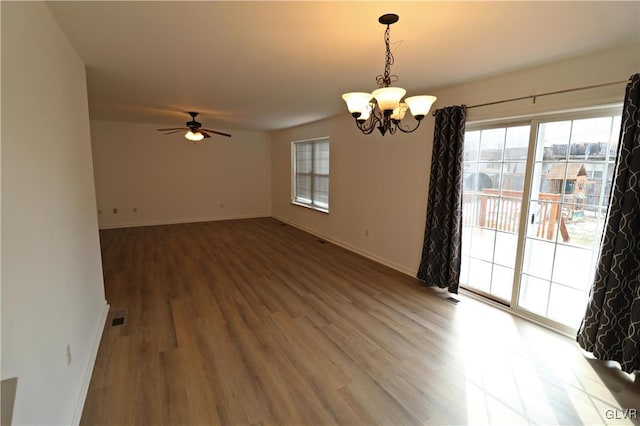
535	203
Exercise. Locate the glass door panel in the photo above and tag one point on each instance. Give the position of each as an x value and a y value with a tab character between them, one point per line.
494	170
570	184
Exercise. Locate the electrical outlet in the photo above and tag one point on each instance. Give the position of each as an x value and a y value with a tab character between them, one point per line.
68	354
115	210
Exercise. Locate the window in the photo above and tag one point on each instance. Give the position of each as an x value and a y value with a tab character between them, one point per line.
310	183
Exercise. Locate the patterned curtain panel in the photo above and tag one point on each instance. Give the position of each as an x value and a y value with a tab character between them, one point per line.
440	264
611	326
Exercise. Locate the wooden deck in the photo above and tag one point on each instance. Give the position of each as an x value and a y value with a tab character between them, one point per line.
252	322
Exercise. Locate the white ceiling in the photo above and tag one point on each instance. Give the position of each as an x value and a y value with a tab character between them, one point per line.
270	65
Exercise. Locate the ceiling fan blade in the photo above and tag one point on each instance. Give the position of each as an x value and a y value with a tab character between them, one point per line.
174	131
206	135
216	132
173	128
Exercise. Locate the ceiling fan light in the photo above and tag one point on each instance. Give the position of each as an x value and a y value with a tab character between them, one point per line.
420	105
194	137
388	97
357	102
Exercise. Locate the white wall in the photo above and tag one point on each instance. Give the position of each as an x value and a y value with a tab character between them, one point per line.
380	184
52	289
169	180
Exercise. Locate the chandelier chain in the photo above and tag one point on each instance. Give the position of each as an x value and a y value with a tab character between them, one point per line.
386	79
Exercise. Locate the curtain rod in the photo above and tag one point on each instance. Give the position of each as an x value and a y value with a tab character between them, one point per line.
557	92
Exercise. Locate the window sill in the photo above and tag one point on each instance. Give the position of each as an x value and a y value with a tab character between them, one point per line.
310	207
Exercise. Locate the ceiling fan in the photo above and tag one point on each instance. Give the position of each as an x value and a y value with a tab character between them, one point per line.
195	132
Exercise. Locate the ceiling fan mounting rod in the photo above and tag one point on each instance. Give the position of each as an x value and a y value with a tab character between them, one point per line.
193	124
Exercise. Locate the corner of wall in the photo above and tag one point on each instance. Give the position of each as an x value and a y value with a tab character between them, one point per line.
88	369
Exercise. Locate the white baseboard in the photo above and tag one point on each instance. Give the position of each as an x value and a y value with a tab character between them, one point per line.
352	248
77	413
178	221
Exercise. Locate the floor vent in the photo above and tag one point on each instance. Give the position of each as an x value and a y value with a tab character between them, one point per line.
453	300
118	318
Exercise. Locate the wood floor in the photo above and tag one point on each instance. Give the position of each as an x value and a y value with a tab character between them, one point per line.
253	322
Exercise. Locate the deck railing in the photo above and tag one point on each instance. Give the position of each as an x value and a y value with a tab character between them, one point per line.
491	208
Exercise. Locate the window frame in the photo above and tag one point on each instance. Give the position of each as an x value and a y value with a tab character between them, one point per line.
313	174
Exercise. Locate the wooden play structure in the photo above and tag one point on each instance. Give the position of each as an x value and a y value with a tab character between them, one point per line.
575	186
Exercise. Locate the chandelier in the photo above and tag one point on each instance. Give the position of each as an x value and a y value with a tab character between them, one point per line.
383	108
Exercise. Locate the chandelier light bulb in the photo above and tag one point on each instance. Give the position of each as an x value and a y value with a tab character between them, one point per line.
357	102
367	112
398	113
388	97
420	105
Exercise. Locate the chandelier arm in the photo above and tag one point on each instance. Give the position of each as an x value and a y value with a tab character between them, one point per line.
389	125
374	121
364	128
384	125
369	124
399	126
